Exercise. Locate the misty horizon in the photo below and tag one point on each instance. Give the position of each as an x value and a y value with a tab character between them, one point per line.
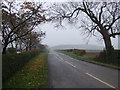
70	35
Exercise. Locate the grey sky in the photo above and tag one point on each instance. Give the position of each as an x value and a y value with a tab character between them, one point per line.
68	35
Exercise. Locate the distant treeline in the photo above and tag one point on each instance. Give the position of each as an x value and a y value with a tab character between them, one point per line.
76	51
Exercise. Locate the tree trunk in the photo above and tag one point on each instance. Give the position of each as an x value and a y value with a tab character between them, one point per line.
109	53
30	46
5	46
4	49
107	40
27	47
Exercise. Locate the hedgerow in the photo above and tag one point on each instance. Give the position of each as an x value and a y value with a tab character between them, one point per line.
11	63
114	58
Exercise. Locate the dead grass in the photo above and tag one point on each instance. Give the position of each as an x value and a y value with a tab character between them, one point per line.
91	55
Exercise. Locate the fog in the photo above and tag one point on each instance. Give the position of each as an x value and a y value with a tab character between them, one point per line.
69	35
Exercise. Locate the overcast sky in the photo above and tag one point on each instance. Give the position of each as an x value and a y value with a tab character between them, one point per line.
68	36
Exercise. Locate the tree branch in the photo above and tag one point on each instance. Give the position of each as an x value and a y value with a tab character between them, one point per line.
114	34
114	20
11	14
21	35
70	15
101	11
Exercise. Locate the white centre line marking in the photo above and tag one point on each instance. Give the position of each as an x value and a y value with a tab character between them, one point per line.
85	73
100	80
65	61
70	64
59	57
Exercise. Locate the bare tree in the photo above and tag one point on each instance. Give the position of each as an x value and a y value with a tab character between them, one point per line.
30	41
102	17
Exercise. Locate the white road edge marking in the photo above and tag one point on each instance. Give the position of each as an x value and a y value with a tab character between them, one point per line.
100	80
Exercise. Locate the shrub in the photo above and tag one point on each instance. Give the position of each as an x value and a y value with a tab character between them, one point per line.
11	50
11	63
112	59
76	51
68	50
79	52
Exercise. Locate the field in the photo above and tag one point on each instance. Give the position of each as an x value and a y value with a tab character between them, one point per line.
91	54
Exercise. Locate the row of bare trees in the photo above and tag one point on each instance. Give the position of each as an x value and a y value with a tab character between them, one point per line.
18	23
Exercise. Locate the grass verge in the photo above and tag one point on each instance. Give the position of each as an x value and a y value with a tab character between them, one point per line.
89	60
33	75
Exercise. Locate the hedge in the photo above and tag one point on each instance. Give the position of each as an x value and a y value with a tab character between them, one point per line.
114	58
11	63
76	51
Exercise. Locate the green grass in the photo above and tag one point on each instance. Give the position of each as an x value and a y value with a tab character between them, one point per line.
89	60
33	75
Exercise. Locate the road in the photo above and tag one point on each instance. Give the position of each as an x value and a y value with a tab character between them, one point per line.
67	72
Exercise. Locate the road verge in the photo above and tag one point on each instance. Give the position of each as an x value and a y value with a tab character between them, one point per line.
33	75
89	60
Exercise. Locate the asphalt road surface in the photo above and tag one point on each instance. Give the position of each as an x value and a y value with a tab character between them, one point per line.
67	72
